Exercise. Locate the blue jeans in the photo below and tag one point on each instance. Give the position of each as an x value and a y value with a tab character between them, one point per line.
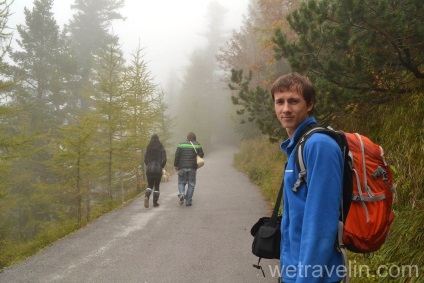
186	176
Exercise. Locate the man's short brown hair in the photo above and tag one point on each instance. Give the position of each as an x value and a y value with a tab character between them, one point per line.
297	83
191	136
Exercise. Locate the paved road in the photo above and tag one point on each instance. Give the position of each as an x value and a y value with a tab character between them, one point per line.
207	242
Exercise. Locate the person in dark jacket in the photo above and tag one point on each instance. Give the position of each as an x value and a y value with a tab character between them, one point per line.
155	160
186	165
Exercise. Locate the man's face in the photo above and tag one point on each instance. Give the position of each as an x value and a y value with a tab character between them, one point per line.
291	109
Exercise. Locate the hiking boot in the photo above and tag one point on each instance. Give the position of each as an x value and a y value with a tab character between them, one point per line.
181	200
146	202
146	197
156	198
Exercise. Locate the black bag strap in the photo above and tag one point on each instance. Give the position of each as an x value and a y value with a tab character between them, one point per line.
274	216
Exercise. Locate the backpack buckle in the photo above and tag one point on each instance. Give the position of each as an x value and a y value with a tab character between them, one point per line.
302	175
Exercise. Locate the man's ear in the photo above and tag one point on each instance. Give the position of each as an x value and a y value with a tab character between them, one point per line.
311	107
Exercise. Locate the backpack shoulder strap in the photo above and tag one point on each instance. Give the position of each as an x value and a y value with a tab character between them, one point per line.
341	140
300	163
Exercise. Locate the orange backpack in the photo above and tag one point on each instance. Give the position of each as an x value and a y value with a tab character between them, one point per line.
366	209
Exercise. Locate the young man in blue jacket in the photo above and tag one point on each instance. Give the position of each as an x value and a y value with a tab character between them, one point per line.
311	212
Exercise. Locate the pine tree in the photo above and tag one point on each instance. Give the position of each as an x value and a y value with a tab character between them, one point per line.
142	113
250	66
40	97
360	51
89	32
73	160
108	102
39	65
8	141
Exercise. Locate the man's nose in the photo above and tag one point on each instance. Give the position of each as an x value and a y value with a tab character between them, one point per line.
285	108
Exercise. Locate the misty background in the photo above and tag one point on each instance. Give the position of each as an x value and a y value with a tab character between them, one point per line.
167	30
179	41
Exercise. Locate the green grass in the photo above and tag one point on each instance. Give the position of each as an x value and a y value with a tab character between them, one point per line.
264	163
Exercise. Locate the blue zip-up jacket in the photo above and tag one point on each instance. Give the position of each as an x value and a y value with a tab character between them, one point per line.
310	215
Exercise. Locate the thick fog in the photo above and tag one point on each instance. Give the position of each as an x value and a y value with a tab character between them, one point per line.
175	37
168	30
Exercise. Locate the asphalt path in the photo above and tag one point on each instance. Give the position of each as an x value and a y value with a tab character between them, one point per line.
207	242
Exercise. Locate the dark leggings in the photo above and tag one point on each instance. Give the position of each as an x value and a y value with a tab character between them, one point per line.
153	180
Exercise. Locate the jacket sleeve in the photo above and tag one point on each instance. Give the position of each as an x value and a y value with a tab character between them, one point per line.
200	151
145	158
163	158
177	157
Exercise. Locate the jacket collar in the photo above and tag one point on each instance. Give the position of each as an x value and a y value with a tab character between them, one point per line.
288	145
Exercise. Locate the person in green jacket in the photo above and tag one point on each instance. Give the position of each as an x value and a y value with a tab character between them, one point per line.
185	164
